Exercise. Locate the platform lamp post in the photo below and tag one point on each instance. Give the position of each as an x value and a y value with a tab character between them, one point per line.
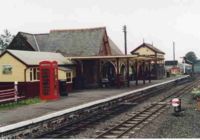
174	51
183	64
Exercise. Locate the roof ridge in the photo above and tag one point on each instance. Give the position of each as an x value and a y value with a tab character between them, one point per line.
34	34
148	44
155	48
25	33
42	34
80	29
36	52
31	51
34	57
38	47
63	30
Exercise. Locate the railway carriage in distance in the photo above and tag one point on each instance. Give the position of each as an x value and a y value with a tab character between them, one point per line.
197	67
174	67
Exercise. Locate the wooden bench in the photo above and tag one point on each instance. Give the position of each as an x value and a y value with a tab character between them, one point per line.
104	82
9	95
121	81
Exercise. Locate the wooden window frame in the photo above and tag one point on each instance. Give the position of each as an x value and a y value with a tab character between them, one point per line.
34	74
69	77
7	66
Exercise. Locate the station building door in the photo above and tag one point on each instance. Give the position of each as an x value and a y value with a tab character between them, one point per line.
108	71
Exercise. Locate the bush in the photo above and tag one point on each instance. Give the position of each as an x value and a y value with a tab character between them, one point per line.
196	93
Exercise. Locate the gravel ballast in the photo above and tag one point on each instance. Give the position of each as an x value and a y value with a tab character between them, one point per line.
187	125
166	125
91	131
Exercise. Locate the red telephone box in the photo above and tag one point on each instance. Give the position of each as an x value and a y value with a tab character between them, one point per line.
49	88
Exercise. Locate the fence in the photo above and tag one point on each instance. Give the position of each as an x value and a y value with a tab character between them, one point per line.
11	94
27	89
6	85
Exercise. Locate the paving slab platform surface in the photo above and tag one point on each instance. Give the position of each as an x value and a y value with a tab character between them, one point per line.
76	98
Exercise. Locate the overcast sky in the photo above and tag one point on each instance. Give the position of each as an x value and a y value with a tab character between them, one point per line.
157	21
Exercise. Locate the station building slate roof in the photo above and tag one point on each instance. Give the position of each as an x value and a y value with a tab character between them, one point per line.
35	40
34	58
72	42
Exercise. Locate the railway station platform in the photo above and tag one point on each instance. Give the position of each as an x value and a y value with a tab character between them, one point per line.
76	98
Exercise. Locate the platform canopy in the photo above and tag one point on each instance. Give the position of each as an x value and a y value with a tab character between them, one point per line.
130	57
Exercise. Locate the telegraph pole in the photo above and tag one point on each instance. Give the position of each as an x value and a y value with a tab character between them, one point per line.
125	50
173	50
125	39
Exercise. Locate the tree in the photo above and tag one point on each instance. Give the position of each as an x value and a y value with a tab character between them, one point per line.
5	39
191	56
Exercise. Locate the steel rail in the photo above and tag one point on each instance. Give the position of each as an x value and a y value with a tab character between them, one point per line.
69	129
109	132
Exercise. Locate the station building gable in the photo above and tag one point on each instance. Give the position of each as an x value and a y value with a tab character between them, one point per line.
12	69
157	66
146	49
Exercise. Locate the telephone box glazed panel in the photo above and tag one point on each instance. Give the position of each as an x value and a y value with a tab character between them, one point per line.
49	88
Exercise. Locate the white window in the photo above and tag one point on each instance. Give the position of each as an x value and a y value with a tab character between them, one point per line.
7	69
34	74
69	77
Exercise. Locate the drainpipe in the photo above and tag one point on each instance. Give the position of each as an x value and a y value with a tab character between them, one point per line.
25	74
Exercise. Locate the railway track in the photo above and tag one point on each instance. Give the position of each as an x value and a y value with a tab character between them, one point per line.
139	119
67	123
95	118
71	129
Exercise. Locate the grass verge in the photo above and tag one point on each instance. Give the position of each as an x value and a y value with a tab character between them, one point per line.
20	103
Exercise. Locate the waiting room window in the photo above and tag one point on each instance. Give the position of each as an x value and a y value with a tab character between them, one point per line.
34	74
7	69
69	77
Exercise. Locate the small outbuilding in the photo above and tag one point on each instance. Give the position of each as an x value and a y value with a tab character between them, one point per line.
23	67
